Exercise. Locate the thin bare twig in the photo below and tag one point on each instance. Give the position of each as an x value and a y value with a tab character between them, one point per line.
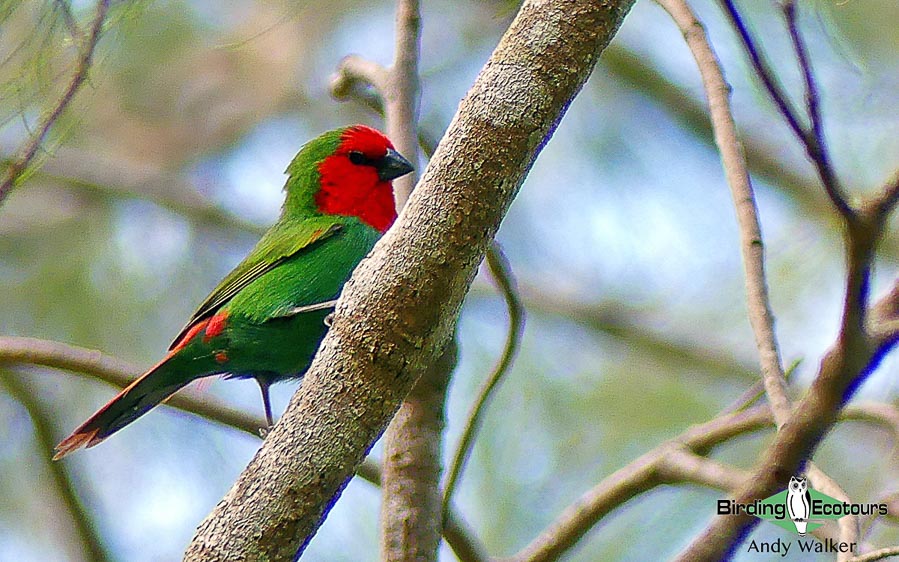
883	320
888	199
814	150
755	392
641	475
69	20
752	247
502	273
761	157
761	66
814	139
92	544
78	78
759	306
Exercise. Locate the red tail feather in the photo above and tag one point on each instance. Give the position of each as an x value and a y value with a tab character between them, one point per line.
133	401
76	441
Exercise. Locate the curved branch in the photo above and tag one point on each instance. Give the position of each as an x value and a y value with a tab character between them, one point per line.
97	365
641	475
849	360
502	273
355	72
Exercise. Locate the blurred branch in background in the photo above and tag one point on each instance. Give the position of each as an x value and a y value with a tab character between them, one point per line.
761	316
82	68
56	355
120	178
620	320
760	157
502	274
16	351
678	461
410	503
859	347
92	544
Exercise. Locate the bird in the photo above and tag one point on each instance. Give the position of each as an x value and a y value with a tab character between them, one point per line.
267	317
799	503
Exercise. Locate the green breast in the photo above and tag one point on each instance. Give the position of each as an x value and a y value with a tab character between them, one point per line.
262	339
314	275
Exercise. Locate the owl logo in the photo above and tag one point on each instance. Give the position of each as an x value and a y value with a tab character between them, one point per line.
799	503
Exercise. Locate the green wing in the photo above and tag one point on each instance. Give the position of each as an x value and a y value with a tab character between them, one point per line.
283	241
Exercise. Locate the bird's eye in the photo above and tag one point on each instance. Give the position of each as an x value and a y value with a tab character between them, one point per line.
357	157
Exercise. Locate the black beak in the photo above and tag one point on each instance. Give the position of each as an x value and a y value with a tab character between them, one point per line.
393	165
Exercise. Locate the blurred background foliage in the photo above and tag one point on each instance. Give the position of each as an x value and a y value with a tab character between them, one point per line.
169	163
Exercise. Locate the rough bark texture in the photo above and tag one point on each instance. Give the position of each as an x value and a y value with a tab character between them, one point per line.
410	474
410	470
400	307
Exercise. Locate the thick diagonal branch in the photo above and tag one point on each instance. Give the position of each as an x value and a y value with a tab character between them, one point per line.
399	309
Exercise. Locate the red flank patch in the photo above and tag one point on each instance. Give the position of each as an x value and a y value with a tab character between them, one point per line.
194	330
216	325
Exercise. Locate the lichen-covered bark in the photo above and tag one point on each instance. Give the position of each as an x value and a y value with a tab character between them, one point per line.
399	310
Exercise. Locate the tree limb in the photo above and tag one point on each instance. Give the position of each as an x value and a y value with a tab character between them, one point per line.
94	364
678	460
844	366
